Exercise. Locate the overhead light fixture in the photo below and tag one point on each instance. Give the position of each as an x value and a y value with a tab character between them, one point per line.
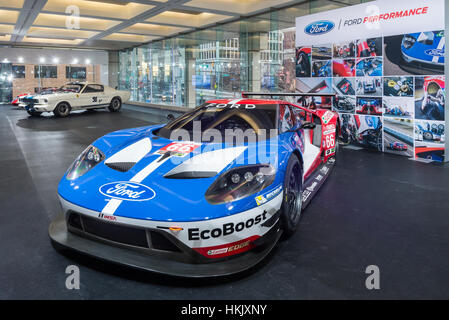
87	61
75	61
42	60
20	59
5	60
55	60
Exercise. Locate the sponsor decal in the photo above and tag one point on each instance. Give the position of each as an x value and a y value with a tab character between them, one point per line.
435	52
107	217
127	191
330	151
179	149
312	187
267	197
231	106
324	170
305	195
319	177
327	116
226	229
229	249
319	27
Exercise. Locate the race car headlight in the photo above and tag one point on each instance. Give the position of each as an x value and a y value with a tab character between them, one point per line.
408	41
240	182
88	159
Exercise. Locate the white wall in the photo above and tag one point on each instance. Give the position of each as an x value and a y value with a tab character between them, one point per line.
64	56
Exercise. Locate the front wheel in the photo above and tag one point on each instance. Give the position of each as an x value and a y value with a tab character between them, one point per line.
62	110
292	198
116	105
34	113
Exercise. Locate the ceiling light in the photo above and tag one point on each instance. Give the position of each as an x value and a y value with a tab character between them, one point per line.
55	60
20	59
87	61
75	61
42	60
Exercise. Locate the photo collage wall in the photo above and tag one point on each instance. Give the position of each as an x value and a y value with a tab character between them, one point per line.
390	91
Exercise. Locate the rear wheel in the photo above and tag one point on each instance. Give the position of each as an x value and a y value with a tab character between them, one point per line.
292	199
34	113
116	104
62	110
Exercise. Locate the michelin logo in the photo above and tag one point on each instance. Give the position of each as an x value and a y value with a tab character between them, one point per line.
262	199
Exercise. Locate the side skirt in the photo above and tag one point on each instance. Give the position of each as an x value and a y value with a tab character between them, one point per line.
315	181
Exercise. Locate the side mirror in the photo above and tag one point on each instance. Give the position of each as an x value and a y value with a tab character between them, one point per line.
170	117
307	125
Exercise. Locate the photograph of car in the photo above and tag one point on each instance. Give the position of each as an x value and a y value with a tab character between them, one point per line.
424	48
124	198
369	86
16	100
430	131
362	131
398	136
398	107
344	86
369	67
372	47
419	53
303	62
74	96
344	50
344	104
343	68
322	69
369	106
430	98
429	153
398	87
323	52
314	85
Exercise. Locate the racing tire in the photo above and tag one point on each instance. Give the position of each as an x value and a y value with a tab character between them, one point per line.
290	212
62	110
115	105
34	113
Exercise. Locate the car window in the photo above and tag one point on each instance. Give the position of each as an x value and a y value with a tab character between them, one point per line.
91	88
286	120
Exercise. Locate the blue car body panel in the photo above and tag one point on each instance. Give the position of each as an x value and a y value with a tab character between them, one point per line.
426	53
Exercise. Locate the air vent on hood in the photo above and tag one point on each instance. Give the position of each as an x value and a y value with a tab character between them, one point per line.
121	166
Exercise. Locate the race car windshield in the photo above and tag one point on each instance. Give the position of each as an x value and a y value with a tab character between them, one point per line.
71	88
259	119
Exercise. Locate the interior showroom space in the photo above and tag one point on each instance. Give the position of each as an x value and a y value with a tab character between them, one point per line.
223	150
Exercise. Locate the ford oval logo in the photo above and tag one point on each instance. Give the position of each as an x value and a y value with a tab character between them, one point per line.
319	27
128	191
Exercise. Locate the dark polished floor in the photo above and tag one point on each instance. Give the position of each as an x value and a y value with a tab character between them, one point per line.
375	209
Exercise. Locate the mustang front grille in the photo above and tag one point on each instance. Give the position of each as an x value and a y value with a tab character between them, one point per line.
137	237
28	100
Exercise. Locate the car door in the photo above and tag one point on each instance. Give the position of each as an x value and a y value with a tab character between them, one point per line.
93	95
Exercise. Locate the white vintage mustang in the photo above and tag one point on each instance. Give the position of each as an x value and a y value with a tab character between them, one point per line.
74	96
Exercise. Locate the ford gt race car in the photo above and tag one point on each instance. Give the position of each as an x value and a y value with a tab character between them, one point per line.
208	194
424	47
74	96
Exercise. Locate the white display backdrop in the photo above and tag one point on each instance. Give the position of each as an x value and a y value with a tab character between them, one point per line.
385	61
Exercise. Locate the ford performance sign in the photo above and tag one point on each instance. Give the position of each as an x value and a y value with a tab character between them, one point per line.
128	191
319	27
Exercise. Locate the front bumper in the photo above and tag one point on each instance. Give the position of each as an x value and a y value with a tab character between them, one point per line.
61	237
196	251
37	107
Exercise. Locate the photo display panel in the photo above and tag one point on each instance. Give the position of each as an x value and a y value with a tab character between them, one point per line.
385	62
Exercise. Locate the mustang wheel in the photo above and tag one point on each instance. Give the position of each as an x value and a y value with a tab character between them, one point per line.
34	113
116	105
292	200
62	110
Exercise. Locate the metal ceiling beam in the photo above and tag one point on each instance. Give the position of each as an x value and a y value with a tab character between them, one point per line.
29	13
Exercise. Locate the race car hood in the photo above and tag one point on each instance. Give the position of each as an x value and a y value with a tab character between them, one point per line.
163	185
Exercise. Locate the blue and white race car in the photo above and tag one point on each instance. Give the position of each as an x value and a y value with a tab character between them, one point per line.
181	199
424	47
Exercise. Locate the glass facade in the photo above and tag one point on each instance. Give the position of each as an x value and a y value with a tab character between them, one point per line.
253	54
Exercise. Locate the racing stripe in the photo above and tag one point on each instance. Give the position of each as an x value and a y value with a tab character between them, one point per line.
113	204
436	59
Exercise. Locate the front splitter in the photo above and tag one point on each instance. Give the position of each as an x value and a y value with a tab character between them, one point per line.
61	236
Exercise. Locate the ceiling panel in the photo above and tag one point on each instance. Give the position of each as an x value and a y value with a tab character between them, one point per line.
188	19
55	20
8	16
18	4
60	33
129	37
237	6
48	41
153	29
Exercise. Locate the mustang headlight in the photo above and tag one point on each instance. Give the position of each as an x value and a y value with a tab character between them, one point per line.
240	182
408	42
88	159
